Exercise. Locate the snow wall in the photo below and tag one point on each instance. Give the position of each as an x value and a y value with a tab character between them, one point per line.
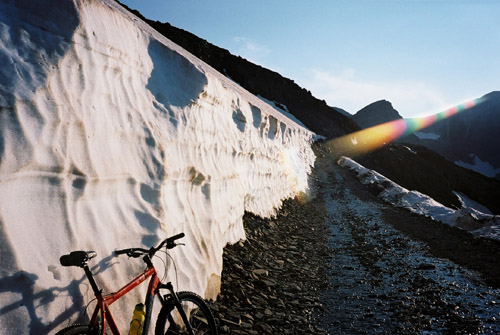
112	136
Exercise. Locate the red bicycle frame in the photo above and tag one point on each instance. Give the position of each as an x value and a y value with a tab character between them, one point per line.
104	301
80	258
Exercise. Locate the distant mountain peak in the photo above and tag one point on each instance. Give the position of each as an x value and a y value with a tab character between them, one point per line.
380	102
492	95
376	113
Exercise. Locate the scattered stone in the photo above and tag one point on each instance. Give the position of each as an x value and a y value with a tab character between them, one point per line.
260	272
425	266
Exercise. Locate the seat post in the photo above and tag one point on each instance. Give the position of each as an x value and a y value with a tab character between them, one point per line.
92	282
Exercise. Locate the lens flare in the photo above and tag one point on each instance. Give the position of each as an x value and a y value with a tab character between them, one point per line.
293	170
369	139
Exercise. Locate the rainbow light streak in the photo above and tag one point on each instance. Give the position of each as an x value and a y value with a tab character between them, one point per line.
369	139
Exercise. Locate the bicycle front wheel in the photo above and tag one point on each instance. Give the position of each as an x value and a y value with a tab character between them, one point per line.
78	330
197	311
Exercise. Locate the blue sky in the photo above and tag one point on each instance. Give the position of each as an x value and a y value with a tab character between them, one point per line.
422	55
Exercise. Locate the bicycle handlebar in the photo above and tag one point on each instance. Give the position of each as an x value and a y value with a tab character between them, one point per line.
138	252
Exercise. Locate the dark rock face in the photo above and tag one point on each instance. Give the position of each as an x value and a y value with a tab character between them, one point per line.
469	135
343	111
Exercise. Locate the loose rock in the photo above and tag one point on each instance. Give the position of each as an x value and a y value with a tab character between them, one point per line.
279	269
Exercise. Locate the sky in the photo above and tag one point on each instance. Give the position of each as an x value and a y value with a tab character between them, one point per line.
423	56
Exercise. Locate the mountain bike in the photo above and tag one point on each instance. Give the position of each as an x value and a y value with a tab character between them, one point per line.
181	312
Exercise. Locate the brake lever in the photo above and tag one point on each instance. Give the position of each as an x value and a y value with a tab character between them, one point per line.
173	245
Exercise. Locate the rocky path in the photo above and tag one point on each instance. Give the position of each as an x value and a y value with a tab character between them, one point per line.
346	263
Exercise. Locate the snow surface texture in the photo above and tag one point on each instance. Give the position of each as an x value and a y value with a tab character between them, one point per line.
111	136
470	217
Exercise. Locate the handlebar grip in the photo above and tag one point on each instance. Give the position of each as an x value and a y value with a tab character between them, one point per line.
176	237
121	252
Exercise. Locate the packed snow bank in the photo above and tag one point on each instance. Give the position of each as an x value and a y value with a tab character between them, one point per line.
469	217
111	136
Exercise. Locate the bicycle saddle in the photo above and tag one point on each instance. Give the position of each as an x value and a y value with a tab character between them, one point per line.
77	258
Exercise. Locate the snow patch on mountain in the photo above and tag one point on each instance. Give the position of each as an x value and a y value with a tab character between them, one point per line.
426	136
112	136
478	165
